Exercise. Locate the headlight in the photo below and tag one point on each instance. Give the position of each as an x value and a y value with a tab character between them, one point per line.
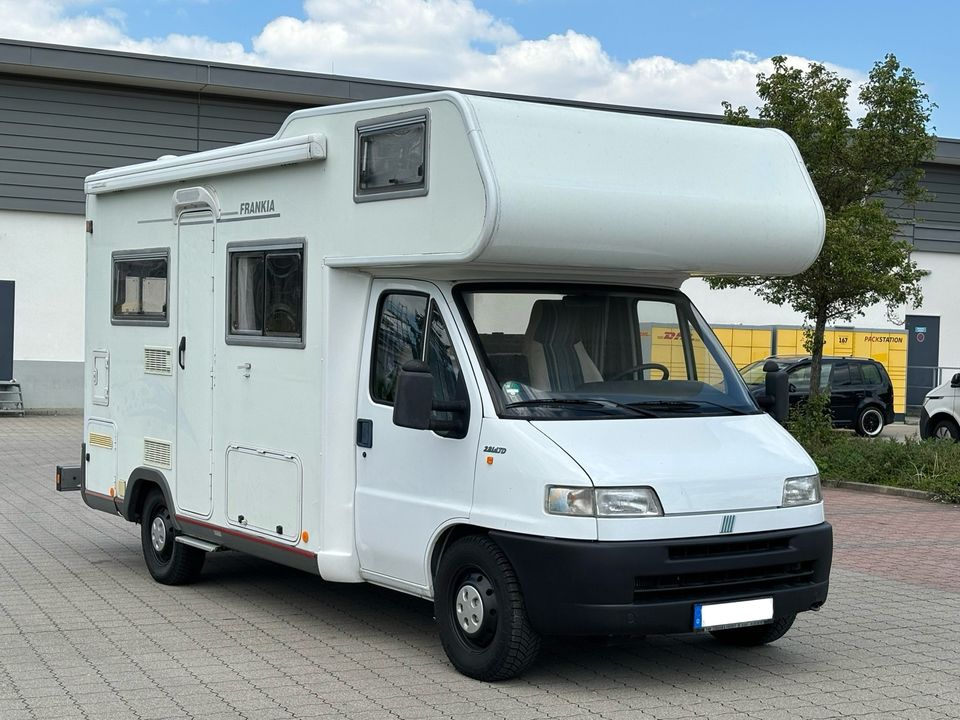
628	502
570	501
801	490
602	502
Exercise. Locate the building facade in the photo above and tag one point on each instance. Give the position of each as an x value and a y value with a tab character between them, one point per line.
68	112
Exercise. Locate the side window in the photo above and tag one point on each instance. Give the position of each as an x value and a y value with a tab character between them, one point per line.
140	288
448	384
841	375
399	338
800	379
407	331
856	378
871	374
266	295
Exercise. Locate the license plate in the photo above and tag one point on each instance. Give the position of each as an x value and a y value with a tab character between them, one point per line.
717	616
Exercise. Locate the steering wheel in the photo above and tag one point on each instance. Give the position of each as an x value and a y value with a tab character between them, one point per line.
644	366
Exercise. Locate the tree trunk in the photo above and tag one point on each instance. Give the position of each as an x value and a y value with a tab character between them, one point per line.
816	352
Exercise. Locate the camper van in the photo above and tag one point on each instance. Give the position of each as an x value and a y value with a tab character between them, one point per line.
437	343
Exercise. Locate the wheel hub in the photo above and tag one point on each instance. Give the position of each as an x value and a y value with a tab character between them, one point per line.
158	534
942	432
469	609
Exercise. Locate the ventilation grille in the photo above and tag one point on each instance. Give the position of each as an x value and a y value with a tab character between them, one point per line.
157	453
100	440
158	360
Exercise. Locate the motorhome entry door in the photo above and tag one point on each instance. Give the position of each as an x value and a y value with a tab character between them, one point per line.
194	362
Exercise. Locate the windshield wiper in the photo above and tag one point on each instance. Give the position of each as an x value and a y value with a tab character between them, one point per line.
681	406
602	402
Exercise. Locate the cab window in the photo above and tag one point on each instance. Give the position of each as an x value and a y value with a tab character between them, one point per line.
411	327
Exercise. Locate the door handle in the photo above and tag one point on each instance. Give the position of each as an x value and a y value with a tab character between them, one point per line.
182	356
364	433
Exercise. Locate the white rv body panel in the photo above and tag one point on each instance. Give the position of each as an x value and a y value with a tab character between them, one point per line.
277	434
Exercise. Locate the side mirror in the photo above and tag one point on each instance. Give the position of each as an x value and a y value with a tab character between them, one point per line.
777	389
955	380
414	400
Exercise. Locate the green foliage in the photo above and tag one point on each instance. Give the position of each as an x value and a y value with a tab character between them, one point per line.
810	424
861	262
929	465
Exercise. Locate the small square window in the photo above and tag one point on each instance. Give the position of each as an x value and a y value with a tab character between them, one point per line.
266	295
392	158
140	289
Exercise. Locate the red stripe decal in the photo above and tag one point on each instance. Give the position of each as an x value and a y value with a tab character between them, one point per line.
253	538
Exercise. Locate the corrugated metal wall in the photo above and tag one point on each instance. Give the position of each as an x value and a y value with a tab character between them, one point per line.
53	134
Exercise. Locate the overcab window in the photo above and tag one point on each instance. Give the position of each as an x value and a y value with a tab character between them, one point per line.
392	157
266	294
140	291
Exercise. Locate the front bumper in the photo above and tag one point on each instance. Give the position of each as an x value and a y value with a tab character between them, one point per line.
924	423
577	587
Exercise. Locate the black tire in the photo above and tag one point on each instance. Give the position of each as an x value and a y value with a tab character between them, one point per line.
498	642
870	422
753	635
945	429
168	561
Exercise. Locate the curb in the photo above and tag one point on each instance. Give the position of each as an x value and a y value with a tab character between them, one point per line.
880	489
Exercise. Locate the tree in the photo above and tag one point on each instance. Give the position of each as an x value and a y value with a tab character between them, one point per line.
861	263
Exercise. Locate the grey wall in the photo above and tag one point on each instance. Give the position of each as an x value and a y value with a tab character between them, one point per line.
55	133
934	224
49	384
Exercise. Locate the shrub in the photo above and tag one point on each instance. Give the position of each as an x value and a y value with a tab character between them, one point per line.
929	465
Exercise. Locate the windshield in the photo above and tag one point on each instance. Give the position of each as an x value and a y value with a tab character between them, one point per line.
564	352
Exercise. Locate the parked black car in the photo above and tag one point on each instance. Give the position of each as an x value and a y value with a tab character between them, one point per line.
861	394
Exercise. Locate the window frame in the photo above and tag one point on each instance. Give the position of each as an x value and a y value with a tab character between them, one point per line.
265	246
373	126
156	253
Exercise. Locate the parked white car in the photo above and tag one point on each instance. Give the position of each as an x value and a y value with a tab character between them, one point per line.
940	416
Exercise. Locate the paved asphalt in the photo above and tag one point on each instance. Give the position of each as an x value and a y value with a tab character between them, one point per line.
86	633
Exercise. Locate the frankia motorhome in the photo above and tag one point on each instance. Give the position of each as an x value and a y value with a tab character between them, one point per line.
407	342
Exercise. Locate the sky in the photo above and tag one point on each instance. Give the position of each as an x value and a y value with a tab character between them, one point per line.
685	55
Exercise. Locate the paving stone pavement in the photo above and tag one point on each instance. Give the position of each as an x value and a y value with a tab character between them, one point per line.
86	633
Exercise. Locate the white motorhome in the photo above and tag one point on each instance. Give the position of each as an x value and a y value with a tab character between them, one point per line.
436	343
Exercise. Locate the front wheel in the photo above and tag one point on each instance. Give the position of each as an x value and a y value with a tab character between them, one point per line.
480	612
756	634
945	429
168	561
869	422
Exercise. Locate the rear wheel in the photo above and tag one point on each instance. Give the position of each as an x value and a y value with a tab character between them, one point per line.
869	422
168	561
945	429
756	634
480	612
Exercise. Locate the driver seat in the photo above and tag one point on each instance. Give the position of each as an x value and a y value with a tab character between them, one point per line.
555	353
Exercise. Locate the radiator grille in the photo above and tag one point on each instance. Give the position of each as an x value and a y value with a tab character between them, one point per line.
157	453
101	440
742	581
158	360
729	548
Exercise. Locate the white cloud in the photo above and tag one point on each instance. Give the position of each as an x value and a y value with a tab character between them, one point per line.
444	42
